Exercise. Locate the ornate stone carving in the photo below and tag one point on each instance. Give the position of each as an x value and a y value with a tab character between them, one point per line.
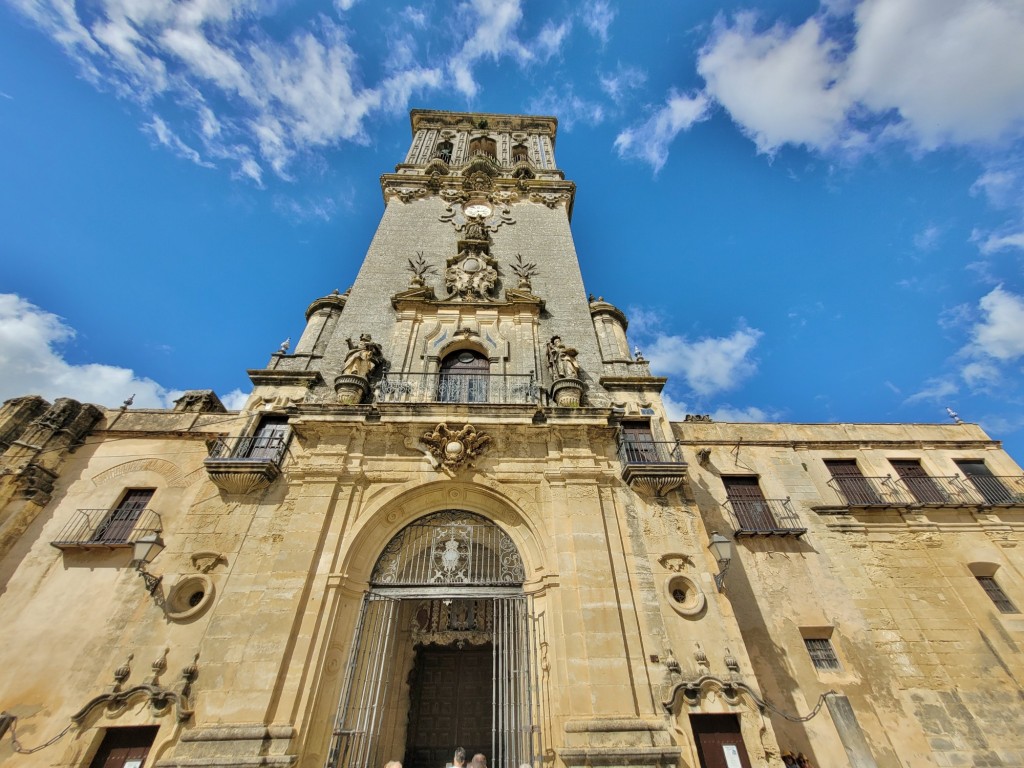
446	622
550	199
675	561
704	418
524	270
364	357
471	274
199	401
562	361
452	450
420	270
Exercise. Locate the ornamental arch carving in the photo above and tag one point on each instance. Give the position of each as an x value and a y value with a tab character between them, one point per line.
170	472
378	526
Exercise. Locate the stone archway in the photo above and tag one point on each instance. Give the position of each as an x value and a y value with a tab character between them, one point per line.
441	652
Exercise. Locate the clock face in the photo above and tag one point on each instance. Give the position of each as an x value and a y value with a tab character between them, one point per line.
478	210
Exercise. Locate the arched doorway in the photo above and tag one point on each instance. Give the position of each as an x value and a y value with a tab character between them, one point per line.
441	652
463	378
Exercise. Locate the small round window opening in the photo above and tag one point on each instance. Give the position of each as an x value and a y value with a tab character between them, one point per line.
192	595
685	597
679	595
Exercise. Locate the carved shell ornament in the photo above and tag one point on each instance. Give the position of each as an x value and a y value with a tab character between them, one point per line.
455	449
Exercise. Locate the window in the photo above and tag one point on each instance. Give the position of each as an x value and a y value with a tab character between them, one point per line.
117	526
638	442
268	440
748	503
990	487
823	655
851	484
443	151
463	378
520	154
483	145
996	594
922	487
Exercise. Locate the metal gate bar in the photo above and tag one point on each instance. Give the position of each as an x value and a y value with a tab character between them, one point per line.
512	738
357	724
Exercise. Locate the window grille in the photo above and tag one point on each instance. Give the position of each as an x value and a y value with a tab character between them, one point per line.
995	592
822	654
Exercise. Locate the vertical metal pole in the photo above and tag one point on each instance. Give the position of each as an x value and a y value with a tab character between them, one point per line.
346	688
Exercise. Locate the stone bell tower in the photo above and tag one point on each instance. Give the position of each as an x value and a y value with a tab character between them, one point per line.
474	255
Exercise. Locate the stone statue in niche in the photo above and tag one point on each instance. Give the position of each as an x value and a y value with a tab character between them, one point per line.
363	358
562	360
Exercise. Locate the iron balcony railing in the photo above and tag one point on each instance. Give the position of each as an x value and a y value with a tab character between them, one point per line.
955	491
768	517
253	448
119	527
650	452
869	491
1007	490
458	388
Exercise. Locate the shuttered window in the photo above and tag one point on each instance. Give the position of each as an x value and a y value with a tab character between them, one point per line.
996	594
822	654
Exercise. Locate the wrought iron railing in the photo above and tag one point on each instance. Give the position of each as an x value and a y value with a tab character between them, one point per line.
765	516
458	388
119	527
954	491
650	452
254	448
854	491
1007	490
941	491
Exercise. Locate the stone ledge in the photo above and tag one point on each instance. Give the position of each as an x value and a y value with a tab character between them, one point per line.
257	761
238	732
606	724
620	755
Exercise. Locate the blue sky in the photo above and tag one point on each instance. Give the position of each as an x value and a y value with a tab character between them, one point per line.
812	211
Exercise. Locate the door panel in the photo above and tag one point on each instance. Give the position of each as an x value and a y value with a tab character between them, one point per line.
719	743
450	705
748	502
125	747
917	481
853	485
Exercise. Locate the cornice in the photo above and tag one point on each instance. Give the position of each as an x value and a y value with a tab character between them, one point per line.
535	124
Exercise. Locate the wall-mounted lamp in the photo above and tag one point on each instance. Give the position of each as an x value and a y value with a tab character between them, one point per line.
721	548
147	547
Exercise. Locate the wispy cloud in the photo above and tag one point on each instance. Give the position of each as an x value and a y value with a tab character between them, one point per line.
569	108
649	141
928	238
710	364
598	16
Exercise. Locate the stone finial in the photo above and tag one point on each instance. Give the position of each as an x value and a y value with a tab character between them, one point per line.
159	666
122	673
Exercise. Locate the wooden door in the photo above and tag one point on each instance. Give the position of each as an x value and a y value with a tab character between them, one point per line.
639	442
917	481
269	439
120	522
464	378
719	743
125	747
450	705
852	484
748	504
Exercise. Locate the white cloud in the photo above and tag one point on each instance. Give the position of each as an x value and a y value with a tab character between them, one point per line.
276	98
598	16
936	390
779	85
622	83
649	140
1000	334
932	72
30	356
750	414
569	108
992	243
710	364
551	37
235	399
493	24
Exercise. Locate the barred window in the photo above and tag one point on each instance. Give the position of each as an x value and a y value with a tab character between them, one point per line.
995	592
822	654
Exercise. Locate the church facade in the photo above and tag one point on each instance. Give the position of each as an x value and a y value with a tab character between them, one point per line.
456	514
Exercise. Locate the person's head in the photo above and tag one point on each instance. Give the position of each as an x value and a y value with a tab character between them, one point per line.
393	764
460	756
479	761
801	760
788	759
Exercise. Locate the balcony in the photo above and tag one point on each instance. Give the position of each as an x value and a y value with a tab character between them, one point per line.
107	528
495	388
655	467
765	517
955	491
241	465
